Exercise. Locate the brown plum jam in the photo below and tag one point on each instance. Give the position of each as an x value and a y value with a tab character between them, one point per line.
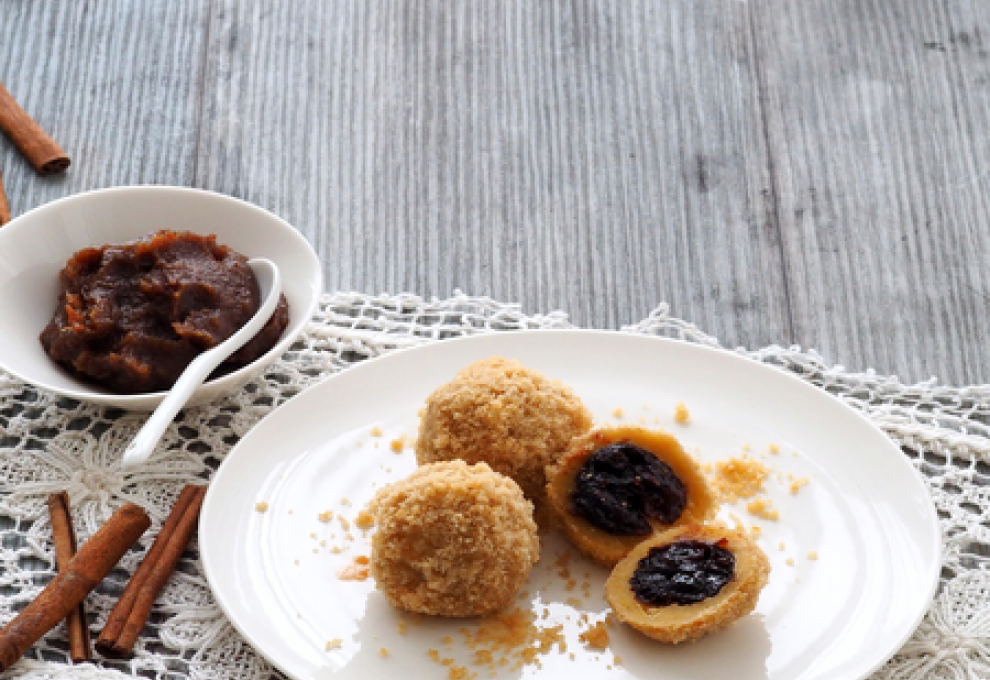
132	316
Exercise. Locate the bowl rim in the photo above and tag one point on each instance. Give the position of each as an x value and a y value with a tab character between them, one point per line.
234	378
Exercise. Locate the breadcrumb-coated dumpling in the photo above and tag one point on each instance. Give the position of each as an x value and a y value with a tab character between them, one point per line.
453	540
600	539
676	623
499	412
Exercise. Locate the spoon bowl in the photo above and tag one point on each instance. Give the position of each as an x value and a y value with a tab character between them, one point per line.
143	445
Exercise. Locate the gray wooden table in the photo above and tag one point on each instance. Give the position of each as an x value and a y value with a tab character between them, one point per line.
779	172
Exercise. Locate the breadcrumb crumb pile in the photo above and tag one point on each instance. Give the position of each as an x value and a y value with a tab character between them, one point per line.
737	478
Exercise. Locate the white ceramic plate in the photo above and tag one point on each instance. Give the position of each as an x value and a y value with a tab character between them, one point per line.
855	552
35	246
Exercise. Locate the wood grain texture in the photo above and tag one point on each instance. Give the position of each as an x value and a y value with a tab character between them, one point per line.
595	157
778	172
878	118
116	83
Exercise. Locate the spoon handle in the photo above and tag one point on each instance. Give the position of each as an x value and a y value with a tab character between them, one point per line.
147	438
143	444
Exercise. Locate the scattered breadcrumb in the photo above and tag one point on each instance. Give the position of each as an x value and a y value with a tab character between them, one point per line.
344	524
336	643
739	478
574	602
397	445
789	561
459	673
763	507
376	431
617	413
681	414
596	636
345	501
813	555
403	628
325	516
383	652
773	448
261	506
797	484
357	571
781	545
364	520
515	638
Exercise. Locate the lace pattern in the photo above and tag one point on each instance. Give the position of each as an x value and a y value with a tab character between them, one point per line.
49	443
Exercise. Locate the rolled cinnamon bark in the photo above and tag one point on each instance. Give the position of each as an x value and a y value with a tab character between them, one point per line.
90	565
41	150
4	206
64	538
134	606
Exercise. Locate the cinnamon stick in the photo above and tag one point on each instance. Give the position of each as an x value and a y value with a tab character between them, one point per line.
64	537
4	207
134	606
84	572
41	150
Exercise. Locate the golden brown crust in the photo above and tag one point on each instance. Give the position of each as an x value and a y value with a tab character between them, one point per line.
499	412
600	545
453	540
683	623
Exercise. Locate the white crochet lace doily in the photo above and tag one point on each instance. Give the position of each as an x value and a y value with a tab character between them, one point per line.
48	444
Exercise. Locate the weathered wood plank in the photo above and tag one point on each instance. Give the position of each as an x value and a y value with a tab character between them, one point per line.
595	157
879	126
116	83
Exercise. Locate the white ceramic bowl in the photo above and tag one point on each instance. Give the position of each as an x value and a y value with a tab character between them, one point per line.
35	246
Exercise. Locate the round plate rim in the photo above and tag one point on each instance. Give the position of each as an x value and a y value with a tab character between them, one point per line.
208	559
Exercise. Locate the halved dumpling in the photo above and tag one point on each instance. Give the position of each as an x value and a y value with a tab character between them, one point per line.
616	487
688	582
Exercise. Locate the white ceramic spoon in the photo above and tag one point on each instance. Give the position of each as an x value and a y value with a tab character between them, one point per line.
143	445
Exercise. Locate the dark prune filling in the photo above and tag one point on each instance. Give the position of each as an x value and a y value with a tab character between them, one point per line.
683	572
622	486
